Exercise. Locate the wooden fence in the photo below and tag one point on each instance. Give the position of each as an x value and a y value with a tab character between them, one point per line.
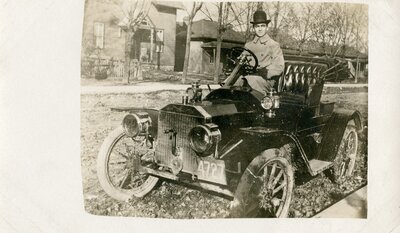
91	66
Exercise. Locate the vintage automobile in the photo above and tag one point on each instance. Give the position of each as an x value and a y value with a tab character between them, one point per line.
244	144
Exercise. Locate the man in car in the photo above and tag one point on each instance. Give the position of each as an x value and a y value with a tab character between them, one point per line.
268	52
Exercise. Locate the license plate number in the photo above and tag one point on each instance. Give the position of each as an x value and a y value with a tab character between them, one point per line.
211	170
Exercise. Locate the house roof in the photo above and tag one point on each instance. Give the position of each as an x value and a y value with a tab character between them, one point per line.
224	45
349	51
316	48
177	5
207	30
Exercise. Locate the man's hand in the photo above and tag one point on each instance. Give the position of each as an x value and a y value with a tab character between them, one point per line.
246	58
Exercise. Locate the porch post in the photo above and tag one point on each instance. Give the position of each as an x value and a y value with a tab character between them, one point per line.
151	44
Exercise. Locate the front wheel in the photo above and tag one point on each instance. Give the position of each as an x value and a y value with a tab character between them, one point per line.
265	189
117	165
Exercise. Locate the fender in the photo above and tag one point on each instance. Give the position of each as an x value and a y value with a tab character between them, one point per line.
278	135
334	130
153	113
354	115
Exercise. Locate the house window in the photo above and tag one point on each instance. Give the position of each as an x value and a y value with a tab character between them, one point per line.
144	22
212	56
159	35
99	35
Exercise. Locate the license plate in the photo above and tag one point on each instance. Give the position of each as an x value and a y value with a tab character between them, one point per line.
213	170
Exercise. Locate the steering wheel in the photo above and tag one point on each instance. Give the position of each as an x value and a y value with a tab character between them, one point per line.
236	55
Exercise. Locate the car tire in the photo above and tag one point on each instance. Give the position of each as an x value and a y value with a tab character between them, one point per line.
115	171
345	161
265	188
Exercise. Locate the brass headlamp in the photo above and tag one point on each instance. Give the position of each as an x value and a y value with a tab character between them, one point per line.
270	102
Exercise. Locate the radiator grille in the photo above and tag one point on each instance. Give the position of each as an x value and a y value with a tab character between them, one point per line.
182	124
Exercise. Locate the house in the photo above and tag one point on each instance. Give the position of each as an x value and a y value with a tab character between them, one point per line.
153	42
203	46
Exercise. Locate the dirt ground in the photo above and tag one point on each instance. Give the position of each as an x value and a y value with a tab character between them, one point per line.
170	200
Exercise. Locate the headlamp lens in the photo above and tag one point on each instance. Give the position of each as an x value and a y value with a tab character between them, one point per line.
131	125
267	102
204	139
199	139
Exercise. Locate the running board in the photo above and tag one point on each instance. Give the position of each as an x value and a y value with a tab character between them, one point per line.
318	166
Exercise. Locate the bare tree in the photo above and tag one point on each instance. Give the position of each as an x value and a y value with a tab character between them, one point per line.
320	26
338	26
333	26
278	12
242	13
220	31
360	34
299	22
130	14
195	8
353	27
340	29
224	22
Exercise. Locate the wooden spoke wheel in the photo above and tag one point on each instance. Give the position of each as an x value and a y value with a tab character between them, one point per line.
118	165
345	160
265	189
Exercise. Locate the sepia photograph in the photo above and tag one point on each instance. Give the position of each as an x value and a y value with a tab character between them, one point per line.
196	110
170	116
225	116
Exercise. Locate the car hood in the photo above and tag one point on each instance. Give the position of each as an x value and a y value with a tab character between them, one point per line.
210	109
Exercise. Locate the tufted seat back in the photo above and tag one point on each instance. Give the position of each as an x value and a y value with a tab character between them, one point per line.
303	79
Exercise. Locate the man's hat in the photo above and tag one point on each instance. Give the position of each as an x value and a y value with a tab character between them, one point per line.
260	17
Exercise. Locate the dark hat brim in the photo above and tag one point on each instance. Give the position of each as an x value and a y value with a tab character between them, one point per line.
262	21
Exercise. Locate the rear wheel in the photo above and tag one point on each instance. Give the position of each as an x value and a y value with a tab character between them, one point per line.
117	165
345	160
265	189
